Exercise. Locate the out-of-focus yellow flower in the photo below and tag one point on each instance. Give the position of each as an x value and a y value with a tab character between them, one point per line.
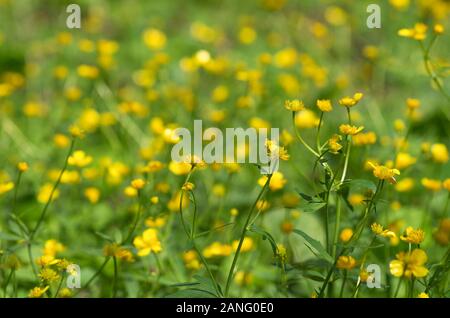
188	186
442	235
87	71
439	153
363	139
400	4
220	94
92	194
48	275
52	247
281	253
423	295
306	119
287	227
413	236
274	150
350	130
409	264
179	168
446	184
438	29
277	181
285	58
156	222
258	123
247	244
324	105
154	39
419	32
346	262
191	260
247	35
115	250
174	203
147	242
356	199
404	160
431	184
405	185
6	187
333	144
45	193
243	278
79	159
346	234
61	140
137	184
217	249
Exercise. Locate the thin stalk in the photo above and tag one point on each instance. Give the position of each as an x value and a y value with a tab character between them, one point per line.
244	232
7	282
301	139
341	293
95	275
136	220
318	133
336	226
114	286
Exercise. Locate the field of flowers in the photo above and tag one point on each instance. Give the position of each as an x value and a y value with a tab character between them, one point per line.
92	204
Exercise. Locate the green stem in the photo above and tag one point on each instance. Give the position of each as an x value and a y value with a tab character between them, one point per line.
16	190
59	285
136	220
7	282
318	134
114	286
95	275
336	226
398	287
301	139
341	293
244	232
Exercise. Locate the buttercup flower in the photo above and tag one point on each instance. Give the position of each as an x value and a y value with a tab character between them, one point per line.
384	173
324	105
350	130
378	230
79	159
346	262
37	292
351	101
413	236
409	264
147	242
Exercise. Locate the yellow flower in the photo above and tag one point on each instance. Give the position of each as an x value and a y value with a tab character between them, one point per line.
351	101
417	33
37	292
294	105
363	139
423	295
439	153
130	192
438	28
277	181
333	144
22	166
306	119
45	193
179	168
377	229
188	186
88	71
404	160
154	166
220	94
409	264
281	253
217	249
247	244
154	39
412	104
47	260
405	185
431	184
118	251
137	184
61	141
324	105
92	194
346	262
346	234
6	187
350	130
48	275
384	173
242	278
275	150
52	247
356	199
147	242
247	35
413	236
446	184
79	159
155	222
191	260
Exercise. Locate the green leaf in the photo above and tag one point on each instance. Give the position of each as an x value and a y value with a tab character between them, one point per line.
104	236
315	246
311	207
266	236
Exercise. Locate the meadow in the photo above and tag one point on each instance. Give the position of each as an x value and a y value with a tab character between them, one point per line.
92	203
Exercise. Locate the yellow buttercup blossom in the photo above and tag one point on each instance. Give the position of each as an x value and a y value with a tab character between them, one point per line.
92	194
306	119
191	260
243	278
324	105
377	229
22	166
431	184
247	244
45	193
180	168
147	242
413	236
188	186
79	159
6	187
409	264
217	249
47	260
438	28
294	105
405	185
418	32
88	71
118	251
274	150
37	292
276	183
351	101
247	35
384	173
404	160
281	253
446	184
346	262
174	203
48	275
61	140
346	234
154	39
423	295
350	130
439	153
364	139
155	222
138	184
130	192
52	247
333	144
